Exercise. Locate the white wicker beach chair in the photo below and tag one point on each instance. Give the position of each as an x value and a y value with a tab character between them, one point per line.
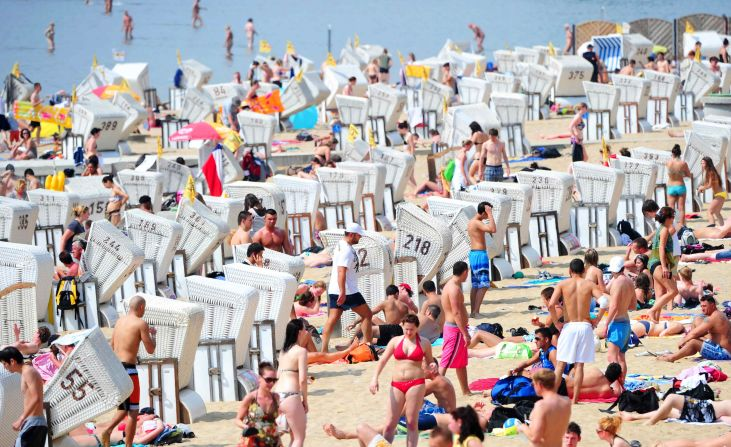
633	95
501	208
55	212
174	175
91	112
90	382
230	167
352	110
551	194
257	130
512	111
422	236
138	184
385	106
299	95
701	145
17	220
474	91
270	195
603	101
26	268
157	237
133	111
195	74
457	214
372	197
110	258
197	105
276	297
302	197
503	82
664	89
228	210
274	260
570	71
537	81
203	231
659	158
330	238
399	166
640	177
91	192
595	218
699	80
458	119
517	236
506	60
340	195
11	405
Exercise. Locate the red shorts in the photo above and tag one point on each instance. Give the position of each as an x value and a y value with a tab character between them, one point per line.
132	403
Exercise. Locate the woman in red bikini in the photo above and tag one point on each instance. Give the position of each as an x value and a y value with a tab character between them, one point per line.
408	384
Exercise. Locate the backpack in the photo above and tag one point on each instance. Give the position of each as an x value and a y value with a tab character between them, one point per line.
513	389
363	353
252	169
701	392
67	298
520	411
638	401
687	237
493	328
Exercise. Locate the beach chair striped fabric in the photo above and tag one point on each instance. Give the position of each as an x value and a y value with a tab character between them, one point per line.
25	285
229	310
551	193
203	230
422	236
276	294
17	220
90	383
11	405
270	195
110	258
599	185
156	236
137	184
274	260
501	209
55	208
609	50
179	324
302	198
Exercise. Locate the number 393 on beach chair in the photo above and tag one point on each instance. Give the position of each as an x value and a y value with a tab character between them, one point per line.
422	236
594	219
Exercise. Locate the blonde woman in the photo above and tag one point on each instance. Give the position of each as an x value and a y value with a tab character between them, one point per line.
714	183
608	429
81	215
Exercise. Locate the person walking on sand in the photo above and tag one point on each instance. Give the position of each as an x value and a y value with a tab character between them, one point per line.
127	26
292	386
408	384
492	156
129	332
677	170
50	34
250	33
576	342
568	48
343	289
479	259
197	20
621	299
576	129
456	337
229	42
479	37
31	426
550	416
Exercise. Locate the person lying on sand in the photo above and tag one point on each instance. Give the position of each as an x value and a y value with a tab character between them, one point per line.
720	441
684	408
596	385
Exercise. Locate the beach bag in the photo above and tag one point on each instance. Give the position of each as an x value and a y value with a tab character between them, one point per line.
493	328
363	353
500	415
550	152
638	401
449	170
701	392
513	389
252	169
687	237
513	351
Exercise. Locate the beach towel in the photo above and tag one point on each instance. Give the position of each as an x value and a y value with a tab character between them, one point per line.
543	282
488	384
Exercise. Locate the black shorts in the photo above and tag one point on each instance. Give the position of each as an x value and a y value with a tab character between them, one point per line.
386	332
35	124
4	123
351	301
383	70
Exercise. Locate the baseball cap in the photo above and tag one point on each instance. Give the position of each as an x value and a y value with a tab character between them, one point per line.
354	228
616	264
405	286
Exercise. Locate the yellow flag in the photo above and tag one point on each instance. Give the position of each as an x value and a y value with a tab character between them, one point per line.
353	133
605	153
456	48
371	138
298	76
356	41
94	62
190	189
618	28
73	95
330	61
417	71
689	27
179	57
551	49
159	147
264	47
478	68
219	116
290	47
697	53
400	57
225	195
445	105
16	70
124	85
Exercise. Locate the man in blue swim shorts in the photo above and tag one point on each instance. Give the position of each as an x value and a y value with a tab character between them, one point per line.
479	260
718	329
622	292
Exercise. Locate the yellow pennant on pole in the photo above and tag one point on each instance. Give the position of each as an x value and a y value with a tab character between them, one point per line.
179	57
330	61
298	76
371	138
190	189
94	62
445	105
689	28
618	28
605	153
551	49
400	57
73	95
290	47
353	133
356	41
219	116
698	52
159	147
16	70
264	47
478	68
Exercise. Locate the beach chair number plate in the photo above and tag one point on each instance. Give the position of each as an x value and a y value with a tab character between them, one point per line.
23	222
576	74
419	245
363	256
78	393
108	125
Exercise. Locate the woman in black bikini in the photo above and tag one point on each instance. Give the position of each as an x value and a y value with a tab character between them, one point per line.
608	429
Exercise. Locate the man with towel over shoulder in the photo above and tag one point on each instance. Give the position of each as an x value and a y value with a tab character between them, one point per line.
576	341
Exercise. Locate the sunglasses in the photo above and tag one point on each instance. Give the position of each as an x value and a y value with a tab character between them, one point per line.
270	379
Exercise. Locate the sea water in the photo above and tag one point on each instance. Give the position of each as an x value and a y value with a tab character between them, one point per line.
163	26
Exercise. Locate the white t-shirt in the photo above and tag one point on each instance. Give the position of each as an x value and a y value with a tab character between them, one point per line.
344	256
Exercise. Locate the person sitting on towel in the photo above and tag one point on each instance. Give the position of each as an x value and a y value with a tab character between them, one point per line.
394	310
715	325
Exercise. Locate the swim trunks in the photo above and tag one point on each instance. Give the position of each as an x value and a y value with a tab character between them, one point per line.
454	349
618	334
351	301
712	351
386	332
480	269
676	190
426	421
494	173
576	343
132	403
33	432
695	410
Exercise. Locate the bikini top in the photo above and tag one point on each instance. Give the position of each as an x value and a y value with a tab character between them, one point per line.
416	356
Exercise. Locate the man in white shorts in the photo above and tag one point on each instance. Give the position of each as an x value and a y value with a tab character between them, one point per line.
576	341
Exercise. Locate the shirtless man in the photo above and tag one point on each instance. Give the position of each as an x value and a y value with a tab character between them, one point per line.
250	32
716	325
569	39
383	330
127	26
492	156
448	79
229	44
592	272
266	72
479	259
348	89
243	231
479	37
621	299
721	232
31	180
36	101
550	416
272	237
576	129
31	424
129	332
90	147
456	337
197	20
432	298
596	384
629	69
576	342
663	65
